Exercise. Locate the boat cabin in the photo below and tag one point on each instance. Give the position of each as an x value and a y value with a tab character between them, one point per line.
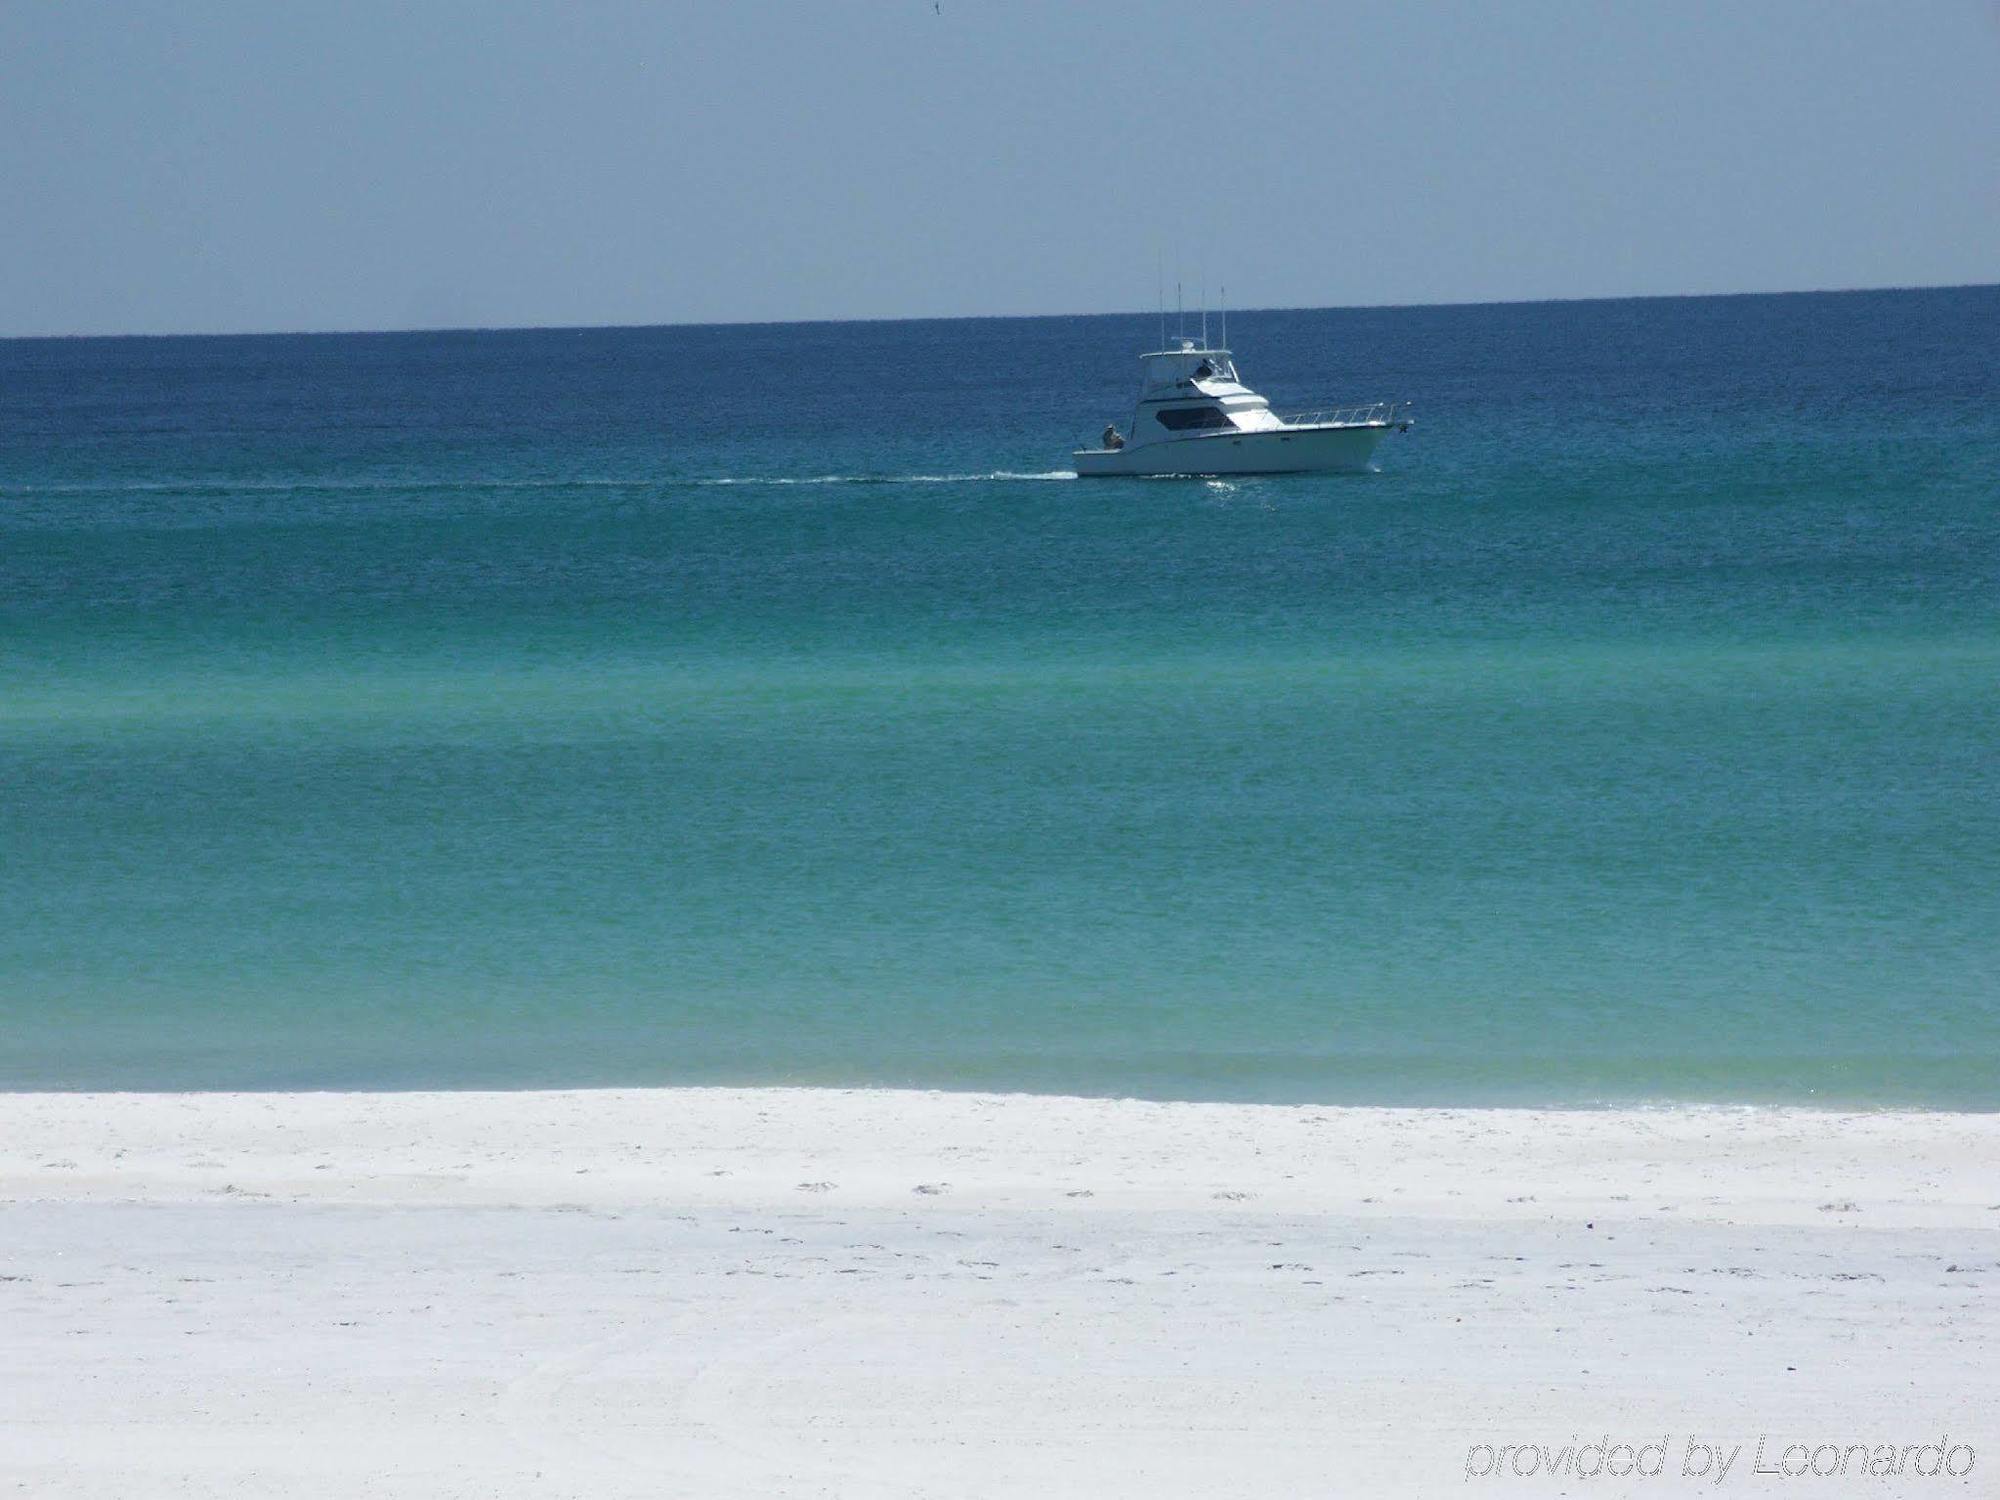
1194	389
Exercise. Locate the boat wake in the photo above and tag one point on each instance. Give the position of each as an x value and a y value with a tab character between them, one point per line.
995	475
312	485
473	485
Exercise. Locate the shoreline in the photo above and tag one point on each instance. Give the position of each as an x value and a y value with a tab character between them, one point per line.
819	1291
749	1145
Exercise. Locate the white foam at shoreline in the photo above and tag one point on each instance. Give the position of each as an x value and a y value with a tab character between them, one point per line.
1776	1165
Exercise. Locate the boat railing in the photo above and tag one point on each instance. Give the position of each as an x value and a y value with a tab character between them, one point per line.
1367	414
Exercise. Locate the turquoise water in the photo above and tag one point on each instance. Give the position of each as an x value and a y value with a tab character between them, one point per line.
760	704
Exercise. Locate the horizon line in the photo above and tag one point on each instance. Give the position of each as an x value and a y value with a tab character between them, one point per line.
268	333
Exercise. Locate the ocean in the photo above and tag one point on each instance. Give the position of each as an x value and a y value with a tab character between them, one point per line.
766	704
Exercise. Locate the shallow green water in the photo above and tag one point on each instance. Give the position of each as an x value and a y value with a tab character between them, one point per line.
421	711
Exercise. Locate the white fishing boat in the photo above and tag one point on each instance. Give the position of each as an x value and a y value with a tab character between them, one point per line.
1196	417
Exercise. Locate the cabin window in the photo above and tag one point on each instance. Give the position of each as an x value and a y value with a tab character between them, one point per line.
1184	418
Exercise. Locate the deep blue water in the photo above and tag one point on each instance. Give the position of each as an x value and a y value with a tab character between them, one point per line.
763	704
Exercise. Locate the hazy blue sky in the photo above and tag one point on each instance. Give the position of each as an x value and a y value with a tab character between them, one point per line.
227	166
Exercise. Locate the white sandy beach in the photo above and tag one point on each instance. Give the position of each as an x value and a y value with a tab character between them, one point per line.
817	1292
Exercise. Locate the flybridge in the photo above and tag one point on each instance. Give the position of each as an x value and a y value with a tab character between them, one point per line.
1190	364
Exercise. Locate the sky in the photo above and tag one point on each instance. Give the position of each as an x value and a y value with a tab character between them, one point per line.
214	166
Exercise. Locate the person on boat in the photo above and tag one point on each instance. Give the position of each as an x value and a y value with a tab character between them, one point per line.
1203	370
1112	440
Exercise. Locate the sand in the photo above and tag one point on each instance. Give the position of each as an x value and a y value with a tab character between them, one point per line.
876	1293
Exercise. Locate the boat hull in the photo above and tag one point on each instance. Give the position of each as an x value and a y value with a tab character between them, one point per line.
1333	449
